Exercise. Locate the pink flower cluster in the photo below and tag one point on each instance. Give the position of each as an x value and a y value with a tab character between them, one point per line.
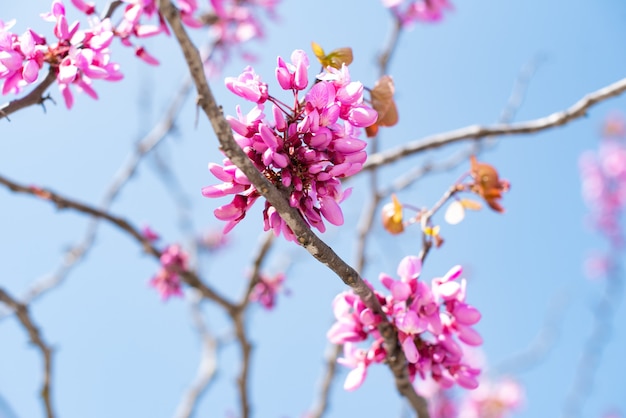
417	10
603	176
79	55
492	399
304	150
429	320
167	280
266	290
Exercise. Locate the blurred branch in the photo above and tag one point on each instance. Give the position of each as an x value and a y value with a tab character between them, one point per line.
520	88
306	238
21	311
35	97
259	258
512	106
577	110
208	362
385	56
148	143
603	315
61	202
319	409
538	349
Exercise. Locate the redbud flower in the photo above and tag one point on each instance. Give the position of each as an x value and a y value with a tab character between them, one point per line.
167	279
429	320
266	290
304	150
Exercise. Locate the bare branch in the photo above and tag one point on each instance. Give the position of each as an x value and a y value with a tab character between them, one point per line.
257	263
577	110
543	342
23	315
149	142
61	202
331	368
208	362
603	317
306	238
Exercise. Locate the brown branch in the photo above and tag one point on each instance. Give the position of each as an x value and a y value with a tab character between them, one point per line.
577	110
61	202
306	238
35	97
21	311
246	351
259	258
334	351
111	8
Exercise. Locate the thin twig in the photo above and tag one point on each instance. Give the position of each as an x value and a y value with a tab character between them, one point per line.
257	263
544	341
246	351
577	110
208	362
23	315
306	238
61	202
321	406
603	317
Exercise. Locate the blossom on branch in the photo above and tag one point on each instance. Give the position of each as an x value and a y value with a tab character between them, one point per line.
305	149
432	323
266	290
167	280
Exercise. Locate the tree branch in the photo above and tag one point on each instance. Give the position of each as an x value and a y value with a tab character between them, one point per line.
577	110
21	310
208	362
61	202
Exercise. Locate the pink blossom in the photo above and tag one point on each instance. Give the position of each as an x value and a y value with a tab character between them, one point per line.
266	289
149	234
432	322
493	399
305	149
167	280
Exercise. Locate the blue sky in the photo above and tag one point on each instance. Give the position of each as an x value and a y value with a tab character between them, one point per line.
120	351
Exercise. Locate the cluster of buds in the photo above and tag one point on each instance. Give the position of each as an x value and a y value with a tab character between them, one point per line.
167	280
304	150
429	320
